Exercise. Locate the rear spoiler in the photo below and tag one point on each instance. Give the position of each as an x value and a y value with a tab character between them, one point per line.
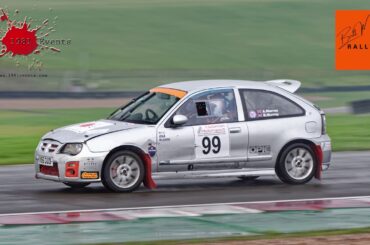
288	85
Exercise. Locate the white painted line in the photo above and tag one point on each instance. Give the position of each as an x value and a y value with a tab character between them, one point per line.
183	206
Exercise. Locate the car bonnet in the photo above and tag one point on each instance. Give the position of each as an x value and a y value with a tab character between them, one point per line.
82	132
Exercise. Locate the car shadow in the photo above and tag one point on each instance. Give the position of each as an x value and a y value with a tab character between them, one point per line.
168	186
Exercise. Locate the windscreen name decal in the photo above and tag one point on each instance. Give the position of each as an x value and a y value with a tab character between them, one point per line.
264	113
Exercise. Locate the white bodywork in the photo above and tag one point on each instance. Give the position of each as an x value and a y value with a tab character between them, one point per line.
249	147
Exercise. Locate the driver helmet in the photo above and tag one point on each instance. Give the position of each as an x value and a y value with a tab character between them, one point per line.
217	104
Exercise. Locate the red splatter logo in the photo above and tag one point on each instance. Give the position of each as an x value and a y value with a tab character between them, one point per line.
18	38
4	17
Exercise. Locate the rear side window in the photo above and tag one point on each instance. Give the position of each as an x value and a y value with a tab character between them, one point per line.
260	104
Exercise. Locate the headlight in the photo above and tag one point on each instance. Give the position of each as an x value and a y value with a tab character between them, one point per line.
71	149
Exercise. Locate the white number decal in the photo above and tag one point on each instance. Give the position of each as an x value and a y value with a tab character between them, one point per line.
211	141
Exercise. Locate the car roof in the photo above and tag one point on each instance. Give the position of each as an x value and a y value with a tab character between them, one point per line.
197	85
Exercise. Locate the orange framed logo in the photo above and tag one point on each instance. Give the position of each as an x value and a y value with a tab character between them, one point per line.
352	40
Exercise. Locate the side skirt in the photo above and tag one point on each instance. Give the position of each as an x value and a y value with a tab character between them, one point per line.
214	173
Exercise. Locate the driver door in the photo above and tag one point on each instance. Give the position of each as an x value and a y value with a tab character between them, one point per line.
212	133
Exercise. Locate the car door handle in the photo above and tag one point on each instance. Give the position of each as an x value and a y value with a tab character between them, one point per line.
235	130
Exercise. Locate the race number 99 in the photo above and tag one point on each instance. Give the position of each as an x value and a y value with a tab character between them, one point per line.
211	141
211	144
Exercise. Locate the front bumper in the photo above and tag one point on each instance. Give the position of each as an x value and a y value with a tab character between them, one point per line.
89	163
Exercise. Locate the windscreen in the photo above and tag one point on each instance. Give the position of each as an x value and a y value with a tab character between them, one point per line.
146	109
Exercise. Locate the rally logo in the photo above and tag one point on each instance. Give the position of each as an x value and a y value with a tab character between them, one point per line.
352	39
24	37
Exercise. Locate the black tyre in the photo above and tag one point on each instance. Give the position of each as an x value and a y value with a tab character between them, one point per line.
76	185
123	171
248	178
297	164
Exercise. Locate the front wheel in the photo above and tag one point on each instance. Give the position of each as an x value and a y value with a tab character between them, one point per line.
297	164
123	172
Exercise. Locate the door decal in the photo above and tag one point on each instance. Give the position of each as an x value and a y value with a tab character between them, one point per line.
211	141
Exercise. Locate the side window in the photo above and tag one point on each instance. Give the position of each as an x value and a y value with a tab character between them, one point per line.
264	104
210	108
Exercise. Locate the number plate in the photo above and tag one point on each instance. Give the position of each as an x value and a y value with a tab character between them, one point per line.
46	161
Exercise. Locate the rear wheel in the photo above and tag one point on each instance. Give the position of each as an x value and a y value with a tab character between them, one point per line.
123	172
297	164
76	185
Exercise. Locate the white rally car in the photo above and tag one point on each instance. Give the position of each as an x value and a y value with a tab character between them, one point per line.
195	129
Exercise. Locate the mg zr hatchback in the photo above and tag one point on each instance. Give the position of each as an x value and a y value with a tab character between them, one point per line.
194	129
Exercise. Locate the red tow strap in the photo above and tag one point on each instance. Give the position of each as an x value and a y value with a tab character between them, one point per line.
319	155
148	181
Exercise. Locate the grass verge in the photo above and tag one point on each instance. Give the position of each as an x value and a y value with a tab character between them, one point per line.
133	44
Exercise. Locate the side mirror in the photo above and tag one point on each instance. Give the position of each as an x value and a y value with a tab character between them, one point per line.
179	120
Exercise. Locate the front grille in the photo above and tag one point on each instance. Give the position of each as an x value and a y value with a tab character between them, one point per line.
50	170
49	146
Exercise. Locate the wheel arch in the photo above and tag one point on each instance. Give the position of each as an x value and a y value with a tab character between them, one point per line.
148	181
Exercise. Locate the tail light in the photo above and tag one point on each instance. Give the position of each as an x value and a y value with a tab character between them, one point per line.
323	123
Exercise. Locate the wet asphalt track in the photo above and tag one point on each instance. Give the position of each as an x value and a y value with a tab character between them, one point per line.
349	175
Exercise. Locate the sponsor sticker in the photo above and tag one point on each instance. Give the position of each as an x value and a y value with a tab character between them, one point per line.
89	126
262	113
162	137
260	150
252	114
152	150
270	113
90	162
214	129
89	175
